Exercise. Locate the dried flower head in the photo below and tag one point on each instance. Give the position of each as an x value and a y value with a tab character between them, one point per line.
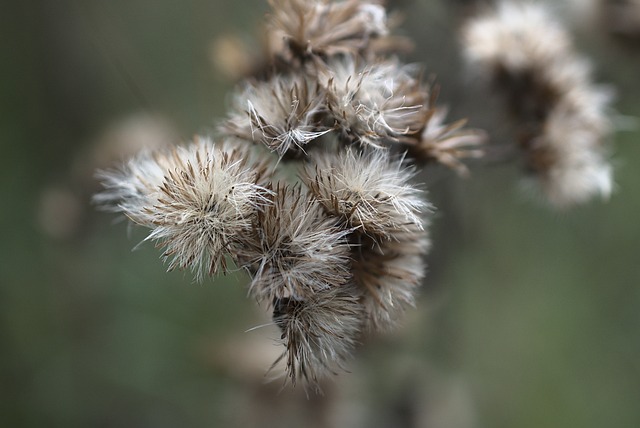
196	199
368	190
294	249
388	274
284	113
319	333
377	102
325	28
562	116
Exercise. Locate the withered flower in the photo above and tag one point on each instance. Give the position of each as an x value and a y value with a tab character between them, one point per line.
445	143
388	274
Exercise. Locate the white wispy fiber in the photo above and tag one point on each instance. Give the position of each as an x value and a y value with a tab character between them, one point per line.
195	199
564	117
368	189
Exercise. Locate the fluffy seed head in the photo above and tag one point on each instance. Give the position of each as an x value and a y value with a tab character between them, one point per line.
294	249
382	101
388	275
516	36
283	113
368	190
326	28
195	199
319	333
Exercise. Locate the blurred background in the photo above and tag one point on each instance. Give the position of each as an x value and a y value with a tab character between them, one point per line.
528	317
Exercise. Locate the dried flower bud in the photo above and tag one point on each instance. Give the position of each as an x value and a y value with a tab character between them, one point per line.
319	333
196	199
294	249
284	113
368	190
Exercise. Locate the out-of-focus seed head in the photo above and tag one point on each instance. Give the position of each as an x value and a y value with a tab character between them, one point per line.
562	116
294	249
319	333
368	190
195	199
516	36
284	113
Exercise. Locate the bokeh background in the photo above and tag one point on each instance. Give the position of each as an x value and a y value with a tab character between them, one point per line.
528	317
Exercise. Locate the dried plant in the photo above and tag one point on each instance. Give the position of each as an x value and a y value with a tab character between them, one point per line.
340	254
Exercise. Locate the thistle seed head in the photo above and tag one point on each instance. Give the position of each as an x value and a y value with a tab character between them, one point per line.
284	113
367	190
562	116
195	199
319	333
388	275
326	28
375	104
294	249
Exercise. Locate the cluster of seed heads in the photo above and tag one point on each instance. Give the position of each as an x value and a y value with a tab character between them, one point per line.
339	253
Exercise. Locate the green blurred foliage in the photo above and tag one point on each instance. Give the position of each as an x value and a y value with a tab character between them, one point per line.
529	318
